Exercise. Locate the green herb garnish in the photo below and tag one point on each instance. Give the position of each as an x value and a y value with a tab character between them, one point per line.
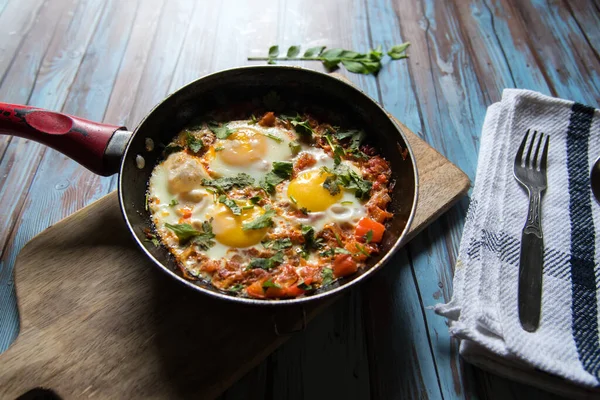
356	137
224	184
293	199
304	286
255	199
220	131
146	201
338	151
275	138
295	147
369	236
270	181
362	250
184	232
235	288
219	148
235	209
310	242
173	203
267	263
331	185
204	239
327	275
253	120
192	142
398	51
278	244
263	221
269	284
283	169
369	63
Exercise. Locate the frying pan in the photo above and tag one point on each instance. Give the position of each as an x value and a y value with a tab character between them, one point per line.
108	149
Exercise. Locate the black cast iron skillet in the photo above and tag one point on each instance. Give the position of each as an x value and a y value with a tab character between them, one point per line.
107	149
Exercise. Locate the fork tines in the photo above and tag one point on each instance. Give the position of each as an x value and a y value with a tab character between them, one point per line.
536	141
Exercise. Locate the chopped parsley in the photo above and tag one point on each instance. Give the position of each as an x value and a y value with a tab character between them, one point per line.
223	184
253	120
300	124
283	169
275	138
269	284
295	147
204	239
267	263
173	203
270	181
293	199
255	199
330	252
348	178
369	236
327	275
235	288
219	148
185	232
331	185
193	143
263	221
304	286
310	242
235	209
362	250
356	137
220	131
278	244
338	151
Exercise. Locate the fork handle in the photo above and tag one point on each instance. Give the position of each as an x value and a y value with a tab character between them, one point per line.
530	265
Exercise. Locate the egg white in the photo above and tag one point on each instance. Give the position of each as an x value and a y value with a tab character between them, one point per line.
276	150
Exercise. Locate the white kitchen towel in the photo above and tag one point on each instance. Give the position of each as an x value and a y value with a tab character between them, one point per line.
483	311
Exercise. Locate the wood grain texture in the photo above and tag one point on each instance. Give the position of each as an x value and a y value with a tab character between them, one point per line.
98	319
463	53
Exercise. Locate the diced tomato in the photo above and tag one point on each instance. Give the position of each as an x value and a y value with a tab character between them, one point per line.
185	212
293	291
367	224
256	290
273	292
343	265
267	120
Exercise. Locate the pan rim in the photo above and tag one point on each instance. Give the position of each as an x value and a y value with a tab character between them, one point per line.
330	293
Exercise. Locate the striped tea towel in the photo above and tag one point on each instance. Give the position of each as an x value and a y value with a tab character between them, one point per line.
483	311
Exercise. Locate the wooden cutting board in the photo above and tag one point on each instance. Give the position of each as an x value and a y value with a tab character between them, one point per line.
98	319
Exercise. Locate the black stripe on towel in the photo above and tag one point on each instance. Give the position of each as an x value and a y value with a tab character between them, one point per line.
583	281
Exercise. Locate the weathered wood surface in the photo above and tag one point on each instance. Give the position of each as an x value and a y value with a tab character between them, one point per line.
114	60
93	308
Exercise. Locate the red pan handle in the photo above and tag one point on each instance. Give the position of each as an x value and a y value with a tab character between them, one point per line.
82	140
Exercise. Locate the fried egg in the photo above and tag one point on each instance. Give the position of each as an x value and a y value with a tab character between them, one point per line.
250	149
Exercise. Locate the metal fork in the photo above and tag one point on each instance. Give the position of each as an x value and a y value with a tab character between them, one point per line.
531	173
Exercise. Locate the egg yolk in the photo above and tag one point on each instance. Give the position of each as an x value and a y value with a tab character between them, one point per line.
227	227
308	191
243	147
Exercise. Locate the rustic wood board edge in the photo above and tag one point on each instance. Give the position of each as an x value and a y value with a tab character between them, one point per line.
18	376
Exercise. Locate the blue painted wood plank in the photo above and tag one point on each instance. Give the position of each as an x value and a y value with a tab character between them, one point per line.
51	88
332	349
587	17
15	22
570	65
17	169
407	102
156	78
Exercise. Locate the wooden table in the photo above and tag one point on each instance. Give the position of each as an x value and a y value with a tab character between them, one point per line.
113	60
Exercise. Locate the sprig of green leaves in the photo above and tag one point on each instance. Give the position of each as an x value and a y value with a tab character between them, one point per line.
359	63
